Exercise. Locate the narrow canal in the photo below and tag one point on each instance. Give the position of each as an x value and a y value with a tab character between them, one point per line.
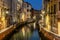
26	33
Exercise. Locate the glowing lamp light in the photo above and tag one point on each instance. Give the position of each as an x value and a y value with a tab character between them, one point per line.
43	11
7	12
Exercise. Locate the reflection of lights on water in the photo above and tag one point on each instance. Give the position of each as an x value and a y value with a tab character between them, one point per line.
23	31
34	25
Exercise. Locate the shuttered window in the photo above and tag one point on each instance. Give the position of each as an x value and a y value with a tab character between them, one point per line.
59	6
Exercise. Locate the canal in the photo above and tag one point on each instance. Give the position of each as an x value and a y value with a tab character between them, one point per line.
26	33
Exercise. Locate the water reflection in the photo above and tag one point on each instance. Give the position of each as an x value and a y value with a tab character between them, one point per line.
26	34
35	35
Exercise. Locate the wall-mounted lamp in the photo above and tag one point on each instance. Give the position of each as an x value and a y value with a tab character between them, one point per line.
43	11
7	11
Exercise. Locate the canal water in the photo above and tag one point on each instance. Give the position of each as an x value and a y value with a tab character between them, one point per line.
26	34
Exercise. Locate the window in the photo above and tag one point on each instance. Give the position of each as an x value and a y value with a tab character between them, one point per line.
51	9
59	6
54	12
54	9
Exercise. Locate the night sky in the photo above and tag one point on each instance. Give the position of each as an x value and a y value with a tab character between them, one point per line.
36	4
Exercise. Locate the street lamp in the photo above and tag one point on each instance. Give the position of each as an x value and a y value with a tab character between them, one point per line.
7	12
43	11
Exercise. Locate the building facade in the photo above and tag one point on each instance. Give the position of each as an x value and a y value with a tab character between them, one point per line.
4	11
52	19
26	13
8	12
